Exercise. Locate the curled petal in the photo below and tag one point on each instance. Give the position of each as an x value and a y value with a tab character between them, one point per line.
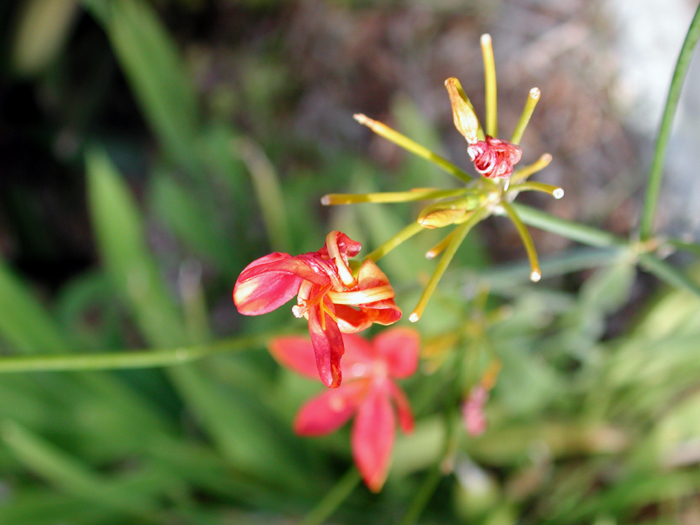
399	348
351	321
295	352
269	282
262	288
373	438
329	411
494	157
327	342
403	408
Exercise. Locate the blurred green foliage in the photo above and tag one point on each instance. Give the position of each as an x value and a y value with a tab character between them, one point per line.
583	427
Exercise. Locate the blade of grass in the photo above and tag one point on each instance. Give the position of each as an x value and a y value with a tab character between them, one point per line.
674	93
151	63
72	476
668	273
333	499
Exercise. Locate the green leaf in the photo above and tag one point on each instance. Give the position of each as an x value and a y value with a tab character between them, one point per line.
192	221
120	236
70	474
150	60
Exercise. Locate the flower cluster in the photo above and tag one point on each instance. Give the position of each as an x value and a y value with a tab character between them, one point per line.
491	193
368	395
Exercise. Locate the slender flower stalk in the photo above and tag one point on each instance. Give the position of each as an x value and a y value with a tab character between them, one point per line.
333	199
402	140
532	98
555	191
525	172
490	85
405	234
455	241
535	271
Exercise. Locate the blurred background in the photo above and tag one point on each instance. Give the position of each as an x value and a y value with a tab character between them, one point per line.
150	150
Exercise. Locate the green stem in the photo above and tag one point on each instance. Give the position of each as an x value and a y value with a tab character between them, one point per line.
569	229
674	93
405	234
268	192
424	494
459	234
402	140
333	499
128	359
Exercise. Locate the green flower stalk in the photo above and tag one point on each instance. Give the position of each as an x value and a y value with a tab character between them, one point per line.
488	194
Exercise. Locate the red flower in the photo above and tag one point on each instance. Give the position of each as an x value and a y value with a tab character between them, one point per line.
372	368
494	157
326	291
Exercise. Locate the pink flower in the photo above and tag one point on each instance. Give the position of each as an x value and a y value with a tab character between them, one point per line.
473	415
326	291
372	368
494	157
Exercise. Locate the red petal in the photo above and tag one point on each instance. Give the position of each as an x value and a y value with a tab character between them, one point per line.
383	312
358	358
399	348
261	287
329	411
350	320
327	342
373	438
403	407
295	352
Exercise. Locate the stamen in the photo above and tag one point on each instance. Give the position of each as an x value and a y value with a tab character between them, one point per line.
524	173
333	199
535	272
530	104
490	85
409	145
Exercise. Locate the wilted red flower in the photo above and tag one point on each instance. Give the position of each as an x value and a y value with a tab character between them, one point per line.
326	291
494	157
372	368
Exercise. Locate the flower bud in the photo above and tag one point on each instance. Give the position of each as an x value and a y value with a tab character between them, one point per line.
448	211
465	118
